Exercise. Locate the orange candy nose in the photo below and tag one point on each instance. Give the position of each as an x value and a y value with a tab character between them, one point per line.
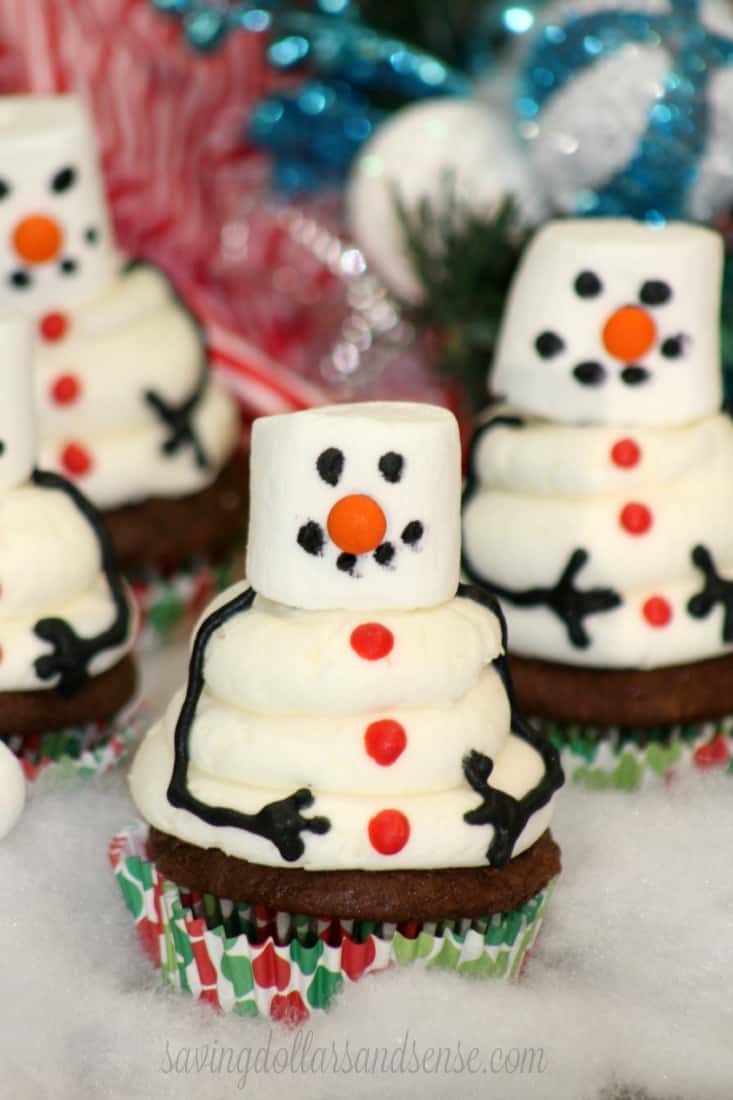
37	239
356	524
629	334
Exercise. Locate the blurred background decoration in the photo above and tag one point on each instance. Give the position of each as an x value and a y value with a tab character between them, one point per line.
342	189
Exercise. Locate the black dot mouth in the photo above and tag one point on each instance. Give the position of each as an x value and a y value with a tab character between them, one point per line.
21	280
311	538
346	562
635	376
384	553
69	266
412	533
548	344
673	347
590	374
91	235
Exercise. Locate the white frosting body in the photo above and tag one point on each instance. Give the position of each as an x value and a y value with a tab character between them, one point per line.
122	333
131	337
50	566
286	703
545	489
12	790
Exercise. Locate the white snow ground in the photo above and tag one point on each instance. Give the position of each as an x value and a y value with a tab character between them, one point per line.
630	985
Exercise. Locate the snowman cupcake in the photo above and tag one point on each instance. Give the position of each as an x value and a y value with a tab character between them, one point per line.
346	763
127	409
67	680
598	495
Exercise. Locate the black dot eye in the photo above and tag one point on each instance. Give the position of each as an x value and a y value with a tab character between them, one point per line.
64	179
654	292
588	285
391	465
549	344
91	235
330	465
5	189
673	347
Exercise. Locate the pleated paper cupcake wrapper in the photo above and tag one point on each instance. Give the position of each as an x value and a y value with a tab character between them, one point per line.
169	604
83	750
252	961
604	757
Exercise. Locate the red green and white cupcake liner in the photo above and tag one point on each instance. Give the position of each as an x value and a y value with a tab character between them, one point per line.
614	758
252	961
169	604
83	750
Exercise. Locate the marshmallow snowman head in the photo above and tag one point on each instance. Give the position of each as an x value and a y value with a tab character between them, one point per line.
18	433
614	322
356	506
56	246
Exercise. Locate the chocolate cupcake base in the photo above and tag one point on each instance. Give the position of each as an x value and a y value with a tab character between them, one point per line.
625	729
361	895
84	735
161	532
27	712
178	553
251	960
632	698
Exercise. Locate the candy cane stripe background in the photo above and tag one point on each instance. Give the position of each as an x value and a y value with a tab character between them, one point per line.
169	125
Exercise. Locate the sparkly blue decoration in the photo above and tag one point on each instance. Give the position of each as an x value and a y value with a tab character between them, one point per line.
312	133
656	182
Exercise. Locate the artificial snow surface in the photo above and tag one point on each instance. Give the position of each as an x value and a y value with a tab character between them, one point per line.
630	985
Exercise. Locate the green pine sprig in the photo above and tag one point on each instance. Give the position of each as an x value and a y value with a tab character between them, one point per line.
464	262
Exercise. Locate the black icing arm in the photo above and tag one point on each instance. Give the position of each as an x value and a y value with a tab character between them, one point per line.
507	815
571	605
501	420
280	822
178	418
716	590
72	654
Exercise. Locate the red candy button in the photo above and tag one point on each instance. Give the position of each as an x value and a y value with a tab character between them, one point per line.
389	831
625	453
53	326
657	611
65	389
385	741
636	519
372	641
76	460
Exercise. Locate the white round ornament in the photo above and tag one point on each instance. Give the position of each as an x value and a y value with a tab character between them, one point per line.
414	154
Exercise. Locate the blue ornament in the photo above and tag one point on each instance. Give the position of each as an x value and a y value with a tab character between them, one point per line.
610	142
312	133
